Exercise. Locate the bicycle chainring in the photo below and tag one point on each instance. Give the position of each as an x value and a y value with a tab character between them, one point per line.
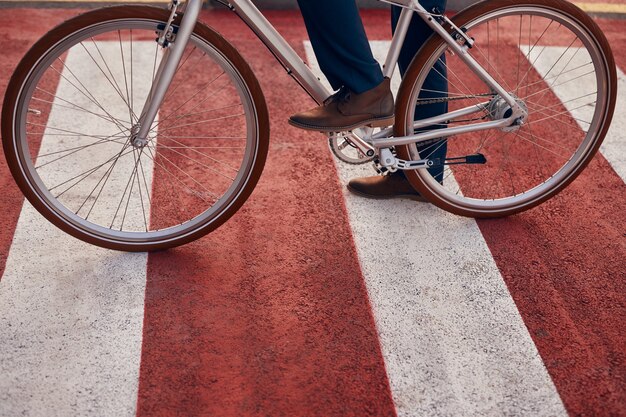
346	151
424	102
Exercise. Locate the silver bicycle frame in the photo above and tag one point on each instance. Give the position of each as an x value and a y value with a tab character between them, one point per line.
296	68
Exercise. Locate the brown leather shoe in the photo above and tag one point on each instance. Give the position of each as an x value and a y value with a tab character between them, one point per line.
346	110
393	185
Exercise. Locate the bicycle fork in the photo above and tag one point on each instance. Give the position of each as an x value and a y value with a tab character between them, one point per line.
174	50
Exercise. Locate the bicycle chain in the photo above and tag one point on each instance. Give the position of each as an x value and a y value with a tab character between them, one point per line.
447	99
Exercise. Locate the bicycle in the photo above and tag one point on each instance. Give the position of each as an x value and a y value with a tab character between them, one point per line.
146	145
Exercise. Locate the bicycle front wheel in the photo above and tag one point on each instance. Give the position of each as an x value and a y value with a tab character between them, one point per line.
555	60
74	103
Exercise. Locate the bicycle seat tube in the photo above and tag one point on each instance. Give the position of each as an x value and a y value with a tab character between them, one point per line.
167	68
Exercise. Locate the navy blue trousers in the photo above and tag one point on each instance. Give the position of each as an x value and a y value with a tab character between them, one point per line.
341	47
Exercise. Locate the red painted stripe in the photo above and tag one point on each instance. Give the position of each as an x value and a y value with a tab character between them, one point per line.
269	315
15	41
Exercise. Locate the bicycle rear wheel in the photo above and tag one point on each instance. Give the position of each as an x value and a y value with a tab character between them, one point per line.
74	103
557	62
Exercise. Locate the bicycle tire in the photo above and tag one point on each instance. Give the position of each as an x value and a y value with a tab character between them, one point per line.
422	63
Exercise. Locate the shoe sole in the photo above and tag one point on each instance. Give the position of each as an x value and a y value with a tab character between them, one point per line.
380	122
389	197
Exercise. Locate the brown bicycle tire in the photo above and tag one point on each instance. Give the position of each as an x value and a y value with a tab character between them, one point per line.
433	44
20	77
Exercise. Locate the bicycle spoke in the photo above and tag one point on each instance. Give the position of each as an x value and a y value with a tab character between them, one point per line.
519	44
178	179
130	111
88	173
206	137
459	79
544	109
132	90
102	141
168	128
116	87
193	108
143	208
202	147
202	154
105	76
507	160
552	85
133	178
104	178
204	165
551	88
180	82
536	148
123	195
551	117
530	50
88	95
77	107
545	79
187	115
519	133
145	182
188	100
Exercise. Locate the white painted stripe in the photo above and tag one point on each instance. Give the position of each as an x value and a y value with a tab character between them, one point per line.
71	314
614	146
452	338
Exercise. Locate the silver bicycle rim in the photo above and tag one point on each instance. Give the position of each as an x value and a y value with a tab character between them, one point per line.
98	231
453	194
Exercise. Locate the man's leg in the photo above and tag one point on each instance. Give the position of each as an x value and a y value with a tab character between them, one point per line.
396	185
340	44
436	83
344	54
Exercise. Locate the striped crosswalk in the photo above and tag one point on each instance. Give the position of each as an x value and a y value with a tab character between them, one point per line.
311	301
